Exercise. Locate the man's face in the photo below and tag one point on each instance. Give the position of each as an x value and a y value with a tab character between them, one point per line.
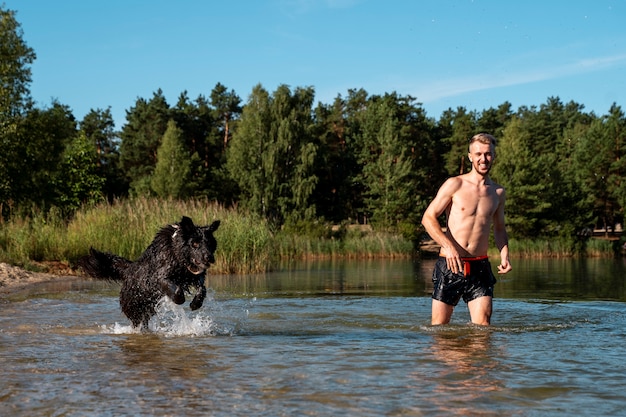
481	155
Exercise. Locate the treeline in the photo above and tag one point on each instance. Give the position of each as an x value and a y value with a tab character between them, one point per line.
375	159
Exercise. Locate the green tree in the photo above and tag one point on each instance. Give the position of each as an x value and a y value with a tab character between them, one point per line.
15	71
246	152
386	167
518	169
173	173
463	125
547	127
417	135
493	121
399	158
335	164
272	154
544	198
226	111
355	110
354	142
40	142
294	153
15	77
600	165
141	136
201	138
616	127
227	107
78	181
99	128
572	203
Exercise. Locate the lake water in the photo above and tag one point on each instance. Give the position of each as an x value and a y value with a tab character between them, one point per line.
324	339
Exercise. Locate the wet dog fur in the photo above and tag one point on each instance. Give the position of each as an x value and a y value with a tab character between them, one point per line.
175	262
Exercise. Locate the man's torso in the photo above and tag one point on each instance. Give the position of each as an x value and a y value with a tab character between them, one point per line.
470	214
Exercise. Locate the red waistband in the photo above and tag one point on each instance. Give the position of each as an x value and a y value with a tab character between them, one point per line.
466	263
474	258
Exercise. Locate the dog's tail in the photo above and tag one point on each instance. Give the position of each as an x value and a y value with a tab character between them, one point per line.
103	265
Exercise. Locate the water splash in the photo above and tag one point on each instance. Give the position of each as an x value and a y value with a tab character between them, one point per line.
118	328
172	320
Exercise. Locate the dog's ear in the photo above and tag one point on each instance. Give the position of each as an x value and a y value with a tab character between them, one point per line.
186	225
213	227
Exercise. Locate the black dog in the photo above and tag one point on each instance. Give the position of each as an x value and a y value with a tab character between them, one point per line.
175	261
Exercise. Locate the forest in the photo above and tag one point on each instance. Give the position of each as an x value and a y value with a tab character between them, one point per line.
362	159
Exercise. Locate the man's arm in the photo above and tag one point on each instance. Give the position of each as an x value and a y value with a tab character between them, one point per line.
501	237
431	223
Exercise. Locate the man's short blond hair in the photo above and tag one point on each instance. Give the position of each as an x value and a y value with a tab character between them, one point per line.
485	138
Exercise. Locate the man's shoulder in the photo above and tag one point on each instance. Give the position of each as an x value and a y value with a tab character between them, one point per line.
498	190
453	183
457	180
497	186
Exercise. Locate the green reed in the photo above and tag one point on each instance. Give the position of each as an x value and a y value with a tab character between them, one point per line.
246	243
558	247
126	228
347	242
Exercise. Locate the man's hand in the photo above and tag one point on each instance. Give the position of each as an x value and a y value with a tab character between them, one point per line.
504	266
453	259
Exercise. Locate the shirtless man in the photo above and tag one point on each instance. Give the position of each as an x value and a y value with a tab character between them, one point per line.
472	202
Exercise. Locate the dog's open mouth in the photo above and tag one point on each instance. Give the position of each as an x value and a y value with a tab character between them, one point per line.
195	269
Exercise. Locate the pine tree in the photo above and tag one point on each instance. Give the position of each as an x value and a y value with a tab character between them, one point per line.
172	174
141	137
386	166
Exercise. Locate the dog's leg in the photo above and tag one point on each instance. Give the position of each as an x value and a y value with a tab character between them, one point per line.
173	291
197	301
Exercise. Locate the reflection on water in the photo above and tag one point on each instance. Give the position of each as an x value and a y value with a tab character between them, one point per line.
326	338
577	279
468	371
333	277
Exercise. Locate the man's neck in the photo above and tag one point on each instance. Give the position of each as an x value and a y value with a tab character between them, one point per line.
478	178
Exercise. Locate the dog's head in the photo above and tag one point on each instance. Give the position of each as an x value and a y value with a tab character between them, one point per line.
197	244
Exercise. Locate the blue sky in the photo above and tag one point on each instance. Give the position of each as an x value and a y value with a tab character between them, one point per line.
472	53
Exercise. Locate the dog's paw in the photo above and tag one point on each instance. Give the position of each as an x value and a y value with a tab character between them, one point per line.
195	304
179	296
197	301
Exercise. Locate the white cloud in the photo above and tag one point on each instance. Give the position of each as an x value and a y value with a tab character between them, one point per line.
457	86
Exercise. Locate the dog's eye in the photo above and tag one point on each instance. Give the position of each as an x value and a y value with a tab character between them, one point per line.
195	244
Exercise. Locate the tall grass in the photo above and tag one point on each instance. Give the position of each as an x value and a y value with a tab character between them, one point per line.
558	248
246	243
352	243
126	228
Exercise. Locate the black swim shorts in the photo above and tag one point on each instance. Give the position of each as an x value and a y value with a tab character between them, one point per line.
450	287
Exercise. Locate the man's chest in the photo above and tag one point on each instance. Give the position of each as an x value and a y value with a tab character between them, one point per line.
475	201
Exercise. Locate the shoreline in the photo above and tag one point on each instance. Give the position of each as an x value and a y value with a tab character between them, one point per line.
14	279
